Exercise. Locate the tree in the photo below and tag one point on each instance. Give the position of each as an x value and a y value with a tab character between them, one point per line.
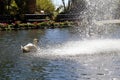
21	6
4	6
63	1
74	5
26	6
46	5
30	6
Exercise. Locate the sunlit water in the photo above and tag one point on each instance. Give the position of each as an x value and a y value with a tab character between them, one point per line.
63	54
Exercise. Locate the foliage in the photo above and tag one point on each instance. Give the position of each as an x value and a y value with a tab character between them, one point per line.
13	8
46	5
57	11
10	6
21	5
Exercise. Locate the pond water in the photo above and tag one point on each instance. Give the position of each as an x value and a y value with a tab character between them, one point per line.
63	54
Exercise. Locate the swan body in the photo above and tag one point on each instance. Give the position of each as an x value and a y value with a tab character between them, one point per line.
30	46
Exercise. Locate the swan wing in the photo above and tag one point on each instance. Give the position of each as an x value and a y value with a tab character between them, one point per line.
29	45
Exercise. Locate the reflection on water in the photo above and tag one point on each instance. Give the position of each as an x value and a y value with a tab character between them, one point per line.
59	56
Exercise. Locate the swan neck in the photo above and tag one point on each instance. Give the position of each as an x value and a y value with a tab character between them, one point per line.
35	43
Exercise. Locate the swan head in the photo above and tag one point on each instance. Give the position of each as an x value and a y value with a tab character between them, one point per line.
35	41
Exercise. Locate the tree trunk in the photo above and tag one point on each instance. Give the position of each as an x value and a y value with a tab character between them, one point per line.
2	7
63	1
26	6
31	6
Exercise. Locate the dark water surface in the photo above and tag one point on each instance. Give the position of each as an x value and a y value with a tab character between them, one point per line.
63	55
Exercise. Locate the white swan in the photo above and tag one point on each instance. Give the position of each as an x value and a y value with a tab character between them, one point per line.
30	46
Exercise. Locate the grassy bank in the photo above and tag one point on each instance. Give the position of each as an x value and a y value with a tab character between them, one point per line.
35	25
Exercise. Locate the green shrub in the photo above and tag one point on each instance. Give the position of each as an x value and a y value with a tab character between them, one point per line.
44	24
